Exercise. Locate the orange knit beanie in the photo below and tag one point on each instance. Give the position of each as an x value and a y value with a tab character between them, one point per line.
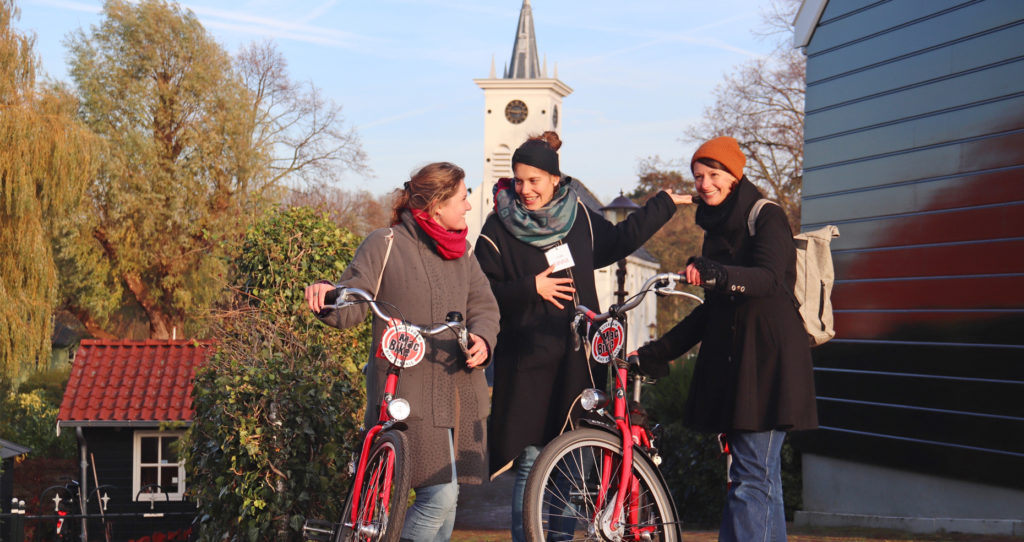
726	151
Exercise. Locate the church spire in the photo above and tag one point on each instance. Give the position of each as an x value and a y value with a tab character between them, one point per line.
525	63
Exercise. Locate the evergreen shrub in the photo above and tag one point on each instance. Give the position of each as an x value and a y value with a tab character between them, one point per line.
278	406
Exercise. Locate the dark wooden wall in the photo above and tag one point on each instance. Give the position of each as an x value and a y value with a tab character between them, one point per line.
112	450
914	148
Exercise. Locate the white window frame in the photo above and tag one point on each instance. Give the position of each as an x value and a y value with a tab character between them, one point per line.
137	466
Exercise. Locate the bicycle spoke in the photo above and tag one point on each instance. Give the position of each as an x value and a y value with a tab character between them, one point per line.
576	496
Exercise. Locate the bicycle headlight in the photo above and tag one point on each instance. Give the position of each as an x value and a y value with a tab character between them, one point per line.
399	409
593	399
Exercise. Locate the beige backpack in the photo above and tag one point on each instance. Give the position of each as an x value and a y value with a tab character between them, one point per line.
814	277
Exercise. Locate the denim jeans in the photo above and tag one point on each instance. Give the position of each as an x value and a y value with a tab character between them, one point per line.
753	509
559	529
523	466
432	517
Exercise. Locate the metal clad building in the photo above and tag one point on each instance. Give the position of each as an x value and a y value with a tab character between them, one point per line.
914	148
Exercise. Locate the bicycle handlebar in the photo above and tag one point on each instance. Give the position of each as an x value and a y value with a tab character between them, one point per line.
343	296
661	284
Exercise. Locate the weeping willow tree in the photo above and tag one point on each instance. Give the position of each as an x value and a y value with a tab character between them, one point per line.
46	160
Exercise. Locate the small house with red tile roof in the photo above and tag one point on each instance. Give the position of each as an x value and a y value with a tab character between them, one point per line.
129	403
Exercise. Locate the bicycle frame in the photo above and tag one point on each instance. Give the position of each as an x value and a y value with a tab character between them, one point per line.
401	350
632	435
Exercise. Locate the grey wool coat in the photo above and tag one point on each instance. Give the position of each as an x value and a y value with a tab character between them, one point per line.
443	392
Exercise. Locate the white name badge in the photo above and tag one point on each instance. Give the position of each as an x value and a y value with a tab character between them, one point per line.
560	257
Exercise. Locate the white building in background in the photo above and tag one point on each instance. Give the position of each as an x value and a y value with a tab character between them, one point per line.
525	102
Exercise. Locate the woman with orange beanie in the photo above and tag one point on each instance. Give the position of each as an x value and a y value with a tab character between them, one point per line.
753	379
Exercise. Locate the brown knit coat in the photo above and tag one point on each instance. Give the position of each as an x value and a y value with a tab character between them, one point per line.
443	392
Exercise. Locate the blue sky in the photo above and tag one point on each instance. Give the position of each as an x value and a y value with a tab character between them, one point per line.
403	70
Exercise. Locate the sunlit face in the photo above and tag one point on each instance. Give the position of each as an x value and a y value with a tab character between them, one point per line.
451	213
713	185
535	186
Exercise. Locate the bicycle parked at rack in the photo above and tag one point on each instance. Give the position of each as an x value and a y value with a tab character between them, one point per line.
67	508
377	500
600	481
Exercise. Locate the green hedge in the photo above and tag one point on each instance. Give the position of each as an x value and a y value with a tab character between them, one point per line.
279	404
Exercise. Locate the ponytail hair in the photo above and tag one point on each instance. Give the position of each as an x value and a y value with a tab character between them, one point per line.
426	188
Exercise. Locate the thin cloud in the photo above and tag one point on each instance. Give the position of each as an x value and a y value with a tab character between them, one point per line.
318	11
73	6
268	25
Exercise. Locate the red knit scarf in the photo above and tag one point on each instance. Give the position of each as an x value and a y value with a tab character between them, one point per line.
450	244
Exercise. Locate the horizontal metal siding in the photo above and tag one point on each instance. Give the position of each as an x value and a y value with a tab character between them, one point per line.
915	149
870	39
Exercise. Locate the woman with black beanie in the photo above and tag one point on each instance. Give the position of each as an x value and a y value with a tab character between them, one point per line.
753	379
539	249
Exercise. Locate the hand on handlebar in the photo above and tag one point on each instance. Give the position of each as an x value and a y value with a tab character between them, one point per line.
478	351
315	295
554	288
705	272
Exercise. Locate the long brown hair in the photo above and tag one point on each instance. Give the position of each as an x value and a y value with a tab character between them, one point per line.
432	184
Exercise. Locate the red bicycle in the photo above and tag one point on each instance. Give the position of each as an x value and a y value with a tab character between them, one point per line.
600	481
376	503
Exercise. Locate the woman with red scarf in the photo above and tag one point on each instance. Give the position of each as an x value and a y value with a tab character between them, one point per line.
421	264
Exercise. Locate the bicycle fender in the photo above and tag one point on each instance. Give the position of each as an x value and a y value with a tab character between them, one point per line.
606	425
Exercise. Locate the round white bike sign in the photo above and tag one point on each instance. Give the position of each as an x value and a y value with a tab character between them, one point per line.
607	342
402	345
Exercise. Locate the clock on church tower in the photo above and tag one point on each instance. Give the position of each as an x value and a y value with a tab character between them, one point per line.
516	111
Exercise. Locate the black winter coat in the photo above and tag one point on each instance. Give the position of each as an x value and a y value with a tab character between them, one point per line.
754	370
537	375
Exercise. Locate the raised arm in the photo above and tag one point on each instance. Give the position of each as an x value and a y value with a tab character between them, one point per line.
613	242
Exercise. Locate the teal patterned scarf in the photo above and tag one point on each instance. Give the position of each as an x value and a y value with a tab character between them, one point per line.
540	228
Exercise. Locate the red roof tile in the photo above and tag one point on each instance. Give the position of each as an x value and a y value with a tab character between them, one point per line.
132	381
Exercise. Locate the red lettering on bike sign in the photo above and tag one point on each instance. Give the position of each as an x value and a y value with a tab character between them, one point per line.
402	345
607	342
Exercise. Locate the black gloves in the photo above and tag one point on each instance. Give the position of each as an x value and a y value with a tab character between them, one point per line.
712	274
650	368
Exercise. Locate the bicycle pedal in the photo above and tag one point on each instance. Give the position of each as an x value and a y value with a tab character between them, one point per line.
318	530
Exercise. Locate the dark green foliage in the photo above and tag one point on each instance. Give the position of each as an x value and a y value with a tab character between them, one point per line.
277	407
693	465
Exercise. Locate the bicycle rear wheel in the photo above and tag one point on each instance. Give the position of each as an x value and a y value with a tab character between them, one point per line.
564	500
383	495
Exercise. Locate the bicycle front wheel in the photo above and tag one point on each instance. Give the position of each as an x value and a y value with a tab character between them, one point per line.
383	495
571	490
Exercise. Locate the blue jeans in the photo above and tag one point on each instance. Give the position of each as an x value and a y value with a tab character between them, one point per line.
523	466
559	529
432	517
753	509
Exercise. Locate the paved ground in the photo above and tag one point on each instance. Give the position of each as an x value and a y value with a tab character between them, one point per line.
484	515
486	506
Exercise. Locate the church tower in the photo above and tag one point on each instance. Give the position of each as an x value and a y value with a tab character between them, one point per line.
523	102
